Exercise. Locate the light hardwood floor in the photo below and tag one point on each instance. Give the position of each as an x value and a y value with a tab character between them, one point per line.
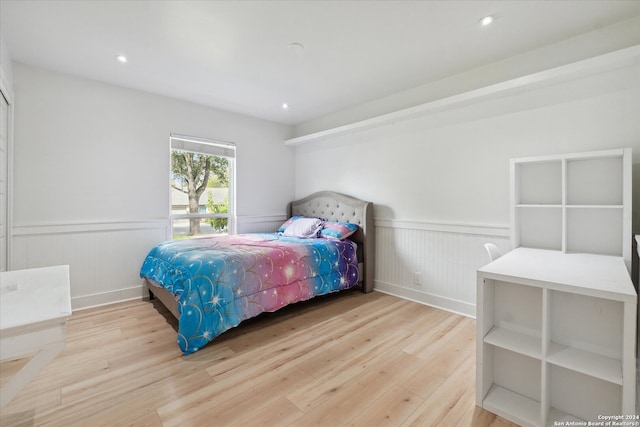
348	359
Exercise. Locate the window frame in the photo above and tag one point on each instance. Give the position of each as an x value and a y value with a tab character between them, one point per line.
212	147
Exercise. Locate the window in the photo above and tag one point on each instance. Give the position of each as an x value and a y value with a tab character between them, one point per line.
202	187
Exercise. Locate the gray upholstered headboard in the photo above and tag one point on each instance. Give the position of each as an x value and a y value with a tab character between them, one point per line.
332	206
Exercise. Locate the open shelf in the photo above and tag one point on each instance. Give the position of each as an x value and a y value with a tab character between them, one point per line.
517	308
515	341
594	229
583	396
593	326
594	181
595	365
540	227
504	402
540	183
562	418
516	384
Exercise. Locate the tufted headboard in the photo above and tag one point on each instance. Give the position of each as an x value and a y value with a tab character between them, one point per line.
332	206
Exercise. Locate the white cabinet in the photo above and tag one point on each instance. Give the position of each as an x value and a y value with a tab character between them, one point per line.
34	307
556	337
573	203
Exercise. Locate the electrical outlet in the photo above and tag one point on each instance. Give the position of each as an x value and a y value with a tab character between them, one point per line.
417	278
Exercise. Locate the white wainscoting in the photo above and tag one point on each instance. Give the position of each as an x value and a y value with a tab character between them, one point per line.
445	256
259	224
104	258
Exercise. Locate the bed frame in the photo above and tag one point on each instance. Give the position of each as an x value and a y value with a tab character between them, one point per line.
330	206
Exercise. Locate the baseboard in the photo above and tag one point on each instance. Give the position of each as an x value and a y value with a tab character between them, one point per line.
419	296
106	298
137	292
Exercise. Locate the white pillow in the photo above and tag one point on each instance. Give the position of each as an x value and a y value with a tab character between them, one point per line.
304	227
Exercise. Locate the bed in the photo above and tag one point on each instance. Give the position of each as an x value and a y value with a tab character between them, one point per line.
213	284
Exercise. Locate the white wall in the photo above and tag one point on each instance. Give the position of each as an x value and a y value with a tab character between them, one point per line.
6	66
440	183
91	181
453	166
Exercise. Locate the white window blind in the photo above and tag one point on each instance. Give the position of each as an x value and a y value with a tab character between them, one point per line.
202	145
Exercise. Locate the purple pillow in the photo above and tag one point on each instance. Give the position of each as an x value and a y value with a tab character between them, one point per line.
303	228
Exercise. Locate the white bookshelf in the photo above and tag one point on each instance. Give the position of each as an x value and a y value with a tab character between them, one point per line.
556	337
556	316
577	202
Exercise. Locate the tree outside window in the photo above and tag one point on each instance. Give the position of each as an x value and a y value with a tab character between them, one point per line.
200	192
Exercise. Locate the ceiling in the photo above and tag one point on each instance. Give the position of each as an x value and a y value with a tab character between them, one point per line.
237	55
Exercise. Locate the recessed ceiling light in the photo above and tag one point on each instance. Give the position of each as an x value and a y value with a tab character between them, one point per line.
121	58
487	20
285	106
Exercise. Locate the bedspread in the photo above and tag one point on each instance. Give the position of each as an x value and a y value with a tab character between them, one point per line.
221	281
